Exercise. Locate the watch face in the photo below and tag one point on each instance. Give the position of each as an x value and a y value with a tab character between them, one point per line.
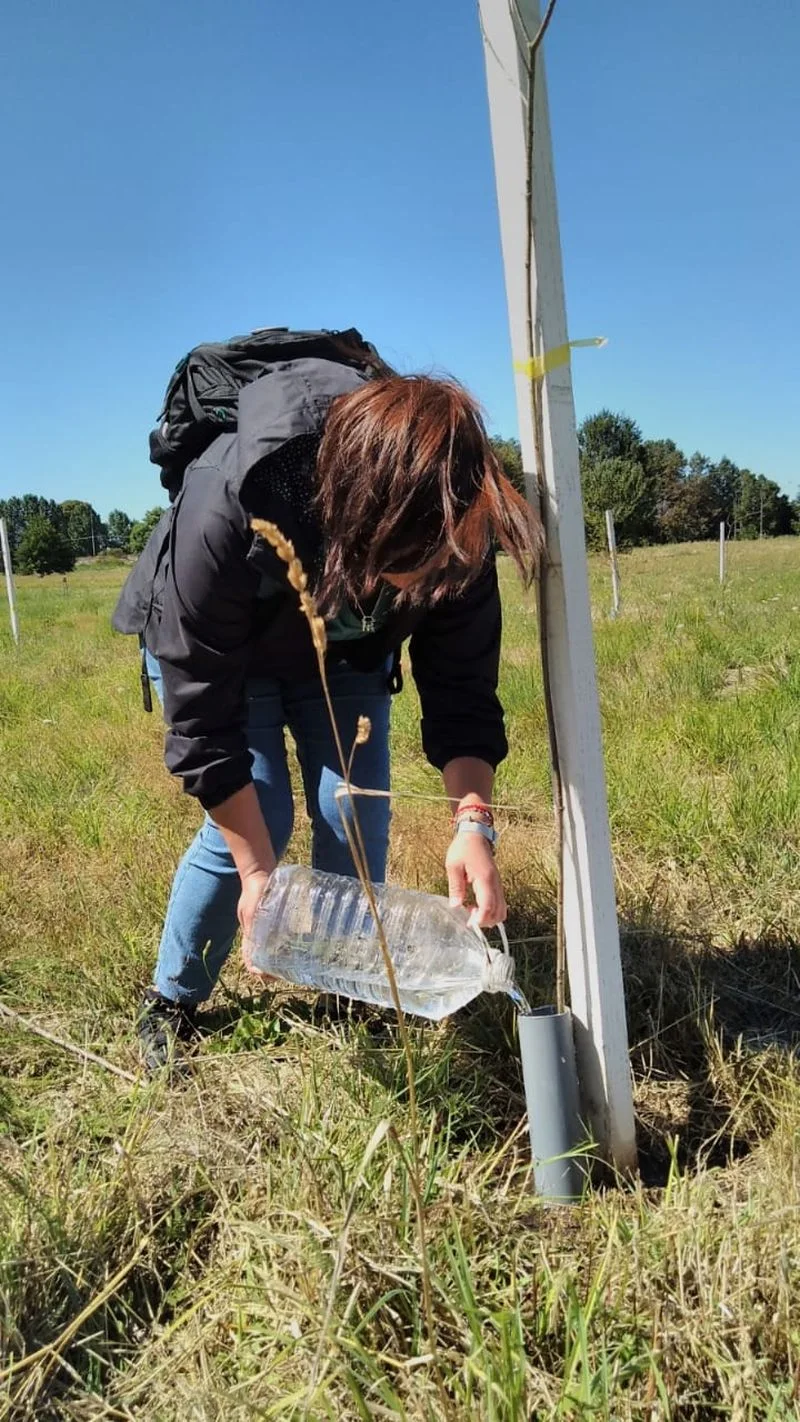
468	824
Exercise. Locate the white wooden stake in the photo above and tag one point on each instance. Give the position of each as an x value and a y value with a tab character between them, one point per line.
12	601
612	553
590	916
722	551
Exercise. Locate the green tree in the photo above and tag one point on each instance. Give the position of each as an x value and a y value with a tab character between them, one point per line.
784	515
34	506
610	436
664	461
11	511
18	512
44	548
119	529
141	531
84	527
623	486
725	482
761	508
666	466
690	513
509	454
699	465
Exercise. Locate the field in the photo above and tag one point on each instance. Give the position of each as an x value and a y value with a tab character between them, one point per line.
245	1246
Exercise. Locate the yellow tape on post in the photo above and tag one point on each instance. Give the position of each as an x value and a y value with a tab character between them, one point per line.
539	365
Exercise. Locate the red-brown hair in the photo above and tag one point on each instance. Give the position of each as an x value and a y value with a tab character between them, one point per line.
406	475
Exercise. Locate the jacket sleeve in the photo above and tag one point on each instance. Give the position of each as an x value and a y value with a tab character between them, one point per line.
455	659
204	640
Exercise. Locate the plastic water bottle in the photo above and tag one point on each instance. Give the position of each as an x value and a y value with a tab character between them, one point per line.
317	930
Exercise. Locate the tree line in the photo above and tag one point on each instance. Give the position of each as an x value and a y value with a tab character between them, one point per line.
657	495
48	537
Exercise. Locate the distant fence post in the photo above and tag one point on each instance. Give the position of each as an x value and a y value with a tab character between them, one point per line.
612	552
722	551
12	601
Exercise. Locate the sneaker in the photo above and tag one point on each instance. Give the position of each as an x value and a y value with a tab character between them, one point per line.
164	1027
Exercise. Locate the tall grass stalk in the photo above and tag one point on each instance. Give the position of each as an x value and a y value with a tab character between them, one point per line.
299	581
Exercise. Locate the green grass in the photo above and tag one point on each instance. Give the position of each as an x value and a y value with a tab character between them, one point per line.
168	1254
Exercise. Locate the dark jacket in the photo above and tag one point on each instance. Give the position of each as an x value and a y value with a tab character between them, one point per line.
213	604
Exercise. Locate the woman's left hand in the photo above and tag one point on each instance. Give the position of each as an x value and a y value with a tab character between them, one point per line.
470	862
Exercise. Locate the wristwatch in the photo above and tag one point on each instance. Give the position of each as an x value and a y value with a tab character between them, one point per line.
470	826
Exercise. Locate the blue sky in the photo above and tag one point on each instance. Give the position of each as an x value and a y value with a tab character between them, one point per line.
182	172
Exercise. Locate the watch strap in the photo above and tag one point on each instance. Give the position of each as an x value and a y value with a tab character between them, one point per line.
477	827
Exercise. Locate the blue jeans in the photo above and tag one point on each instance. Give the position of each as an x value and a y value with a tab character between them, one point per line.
201	924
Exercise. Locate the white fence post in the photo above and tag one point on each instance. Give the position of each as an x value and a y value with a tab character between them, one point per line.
12	600
590	915
722	551
612	553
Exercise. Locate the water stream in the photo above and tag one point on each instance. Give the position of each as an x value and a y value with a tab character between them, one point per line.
519	1000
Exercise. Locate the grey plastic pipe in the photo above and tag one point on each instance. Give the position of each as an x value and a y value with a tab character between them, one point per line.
551	1092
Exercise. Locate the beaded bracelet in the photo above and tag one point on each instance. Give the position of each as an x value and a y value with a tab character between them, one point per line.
483	810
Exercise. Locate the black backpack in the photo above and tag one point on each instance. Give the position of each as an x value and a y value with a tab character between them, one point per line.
202	398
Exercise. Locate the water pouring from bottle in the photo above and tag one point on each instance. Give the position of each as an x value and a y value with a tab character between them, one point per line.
519	1000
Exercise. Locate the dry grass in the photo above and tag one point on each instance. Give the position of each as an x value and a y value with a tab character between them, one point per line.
168	1254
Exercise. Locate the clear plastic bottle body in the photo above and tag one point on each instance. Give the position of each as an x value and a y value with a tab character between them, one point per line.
317	930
